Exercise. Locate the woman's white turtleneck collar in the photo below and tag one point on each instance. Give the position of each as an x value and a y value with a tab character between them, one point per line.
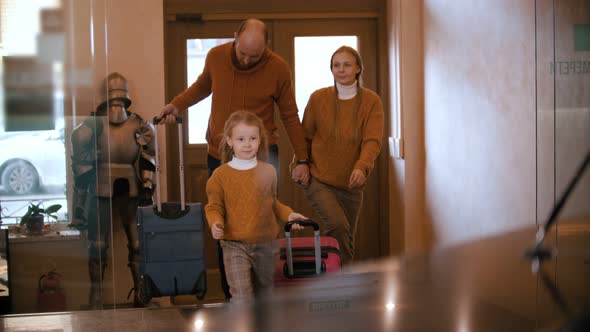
346	92
242	164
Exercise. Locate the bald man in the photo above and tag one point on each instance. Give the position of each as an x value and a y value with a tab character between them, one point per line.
245	75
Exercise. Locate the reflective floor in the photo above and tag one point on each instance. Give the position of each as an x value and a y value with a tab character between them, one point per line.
486	285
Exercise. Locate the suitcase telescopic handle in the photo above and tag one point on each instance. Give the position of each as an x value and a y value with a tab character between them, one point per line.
157	121
181	164
304	223
317	246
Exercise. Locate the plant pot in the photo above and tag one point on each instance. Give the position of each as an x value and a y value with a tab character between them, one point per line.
36	225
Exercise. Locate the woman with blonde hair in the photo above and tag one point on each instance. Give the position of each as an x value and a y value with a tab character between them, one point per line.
344	127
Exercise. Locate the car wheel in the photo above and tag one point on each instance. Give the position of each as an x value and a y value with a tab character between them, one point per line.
20	178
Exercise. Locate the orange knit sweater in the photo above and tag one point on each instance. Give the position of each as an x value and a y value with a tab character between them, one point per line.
245	202
334	159
254	90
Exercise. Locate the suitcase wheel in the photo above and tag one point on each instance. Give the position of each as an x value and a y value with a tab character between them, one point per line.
201	286
146	289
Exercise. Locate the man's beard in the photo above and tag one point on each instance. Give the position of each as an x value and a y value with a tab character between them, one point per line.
248	66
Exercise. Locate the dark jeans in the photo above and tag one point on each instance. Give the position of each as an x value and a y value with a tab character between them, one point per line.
212	164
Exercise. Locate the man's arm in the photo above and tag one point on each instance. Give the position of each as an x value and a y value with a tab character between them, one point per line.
198	91
300	169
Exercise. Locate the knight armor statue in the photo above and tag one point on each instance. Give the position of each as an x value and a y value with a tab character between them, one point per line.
113	166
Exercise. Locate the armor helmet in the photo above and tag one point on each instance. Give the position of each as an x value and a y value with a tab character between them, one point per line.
115	88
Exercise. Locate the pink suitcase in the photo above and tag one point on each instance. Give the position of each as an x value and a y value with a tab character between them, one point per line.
302	259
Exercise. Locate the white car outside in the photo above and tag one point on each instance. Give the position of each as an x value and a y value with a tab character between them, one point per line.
30	161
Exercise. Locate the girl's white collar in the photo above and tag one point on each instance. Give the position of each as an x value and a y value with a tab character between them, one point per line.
242	164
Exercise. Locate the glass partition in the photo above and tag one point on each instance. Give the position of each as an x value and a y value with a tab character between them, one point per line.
33	171
61	157
563	104
55	62
562	31
53	67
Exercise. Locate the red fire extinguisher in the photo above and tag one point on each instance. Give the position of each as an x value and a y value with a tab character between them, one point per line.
51	296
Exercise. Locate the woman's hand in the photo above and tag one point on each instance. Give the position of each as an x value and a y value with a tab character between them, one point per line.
357	179
300	175
217	231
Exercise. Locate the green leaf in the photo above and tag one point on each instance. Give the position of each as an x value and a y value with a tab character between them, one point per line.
53	208
28	214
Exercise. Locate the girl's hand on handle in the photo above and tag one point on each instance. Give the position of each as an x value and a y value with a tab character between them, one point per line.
168	114
296	216
217	231
357	179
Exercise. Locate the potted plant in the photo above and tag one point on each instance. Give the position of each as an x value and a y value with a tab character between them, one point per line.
34	218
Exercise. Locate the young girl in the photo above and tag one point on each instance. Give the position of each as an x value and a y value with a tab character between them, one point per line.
243	207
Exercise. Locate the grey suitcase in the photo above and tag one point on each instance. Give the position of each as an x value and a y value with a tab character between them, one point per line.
172	243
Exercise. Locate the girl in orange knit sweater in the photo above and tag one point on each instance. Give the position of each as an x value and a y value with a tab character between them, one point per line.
243	207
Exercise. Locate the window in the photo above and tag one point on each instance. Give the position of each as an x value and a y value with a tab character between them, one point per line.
196	52
312	64
32	158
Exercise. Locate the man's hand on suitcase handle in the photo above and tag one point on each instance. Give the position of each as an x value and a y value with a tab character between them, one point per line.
168	115
217	231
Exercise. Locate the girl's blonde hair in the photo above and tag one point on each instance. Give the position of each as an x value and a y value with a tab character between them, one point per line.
335	131
249	119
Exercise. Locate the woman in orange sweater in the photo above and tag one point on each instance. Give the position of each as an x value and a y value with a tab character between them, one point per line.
243	209
344	127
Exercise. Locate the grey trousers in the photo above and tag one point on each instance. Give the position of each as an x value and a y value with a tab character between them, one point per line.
339	211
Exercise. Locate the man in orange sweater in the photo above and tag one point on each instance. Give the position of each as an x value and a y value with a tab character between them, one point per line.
245	75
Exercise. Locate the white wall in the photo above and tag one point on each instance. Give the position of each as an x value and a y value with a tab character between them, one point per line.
479	117
135	37
468	105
